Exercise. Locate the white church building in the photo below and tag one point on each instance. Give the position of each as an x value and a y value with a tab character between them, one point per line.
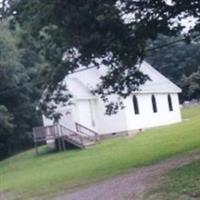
156	103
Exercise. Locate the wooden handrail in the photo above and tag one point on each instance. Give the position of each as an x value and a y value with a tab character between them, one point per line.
43	133
83	129
70	132
80	137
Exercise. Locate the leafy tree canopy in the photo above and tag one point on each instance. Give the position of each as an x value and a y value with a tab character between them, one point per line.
191	85
115	31
19	91
179	62
74	33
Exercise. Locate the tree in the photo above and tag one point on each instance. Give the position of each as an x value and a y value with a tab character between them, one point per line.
87	30
177	61
6	129
191	84
114	32
19	91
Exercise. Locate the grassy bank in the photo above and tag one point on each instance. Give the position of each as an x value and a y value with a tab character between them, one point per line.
27	175
182	184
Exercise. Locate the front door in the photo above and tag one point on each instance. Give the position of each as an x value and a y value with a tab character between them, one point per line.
86	115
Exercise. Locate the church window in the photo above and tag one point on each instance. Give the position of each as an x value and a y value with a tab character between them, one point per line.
135	105
154	104
170	102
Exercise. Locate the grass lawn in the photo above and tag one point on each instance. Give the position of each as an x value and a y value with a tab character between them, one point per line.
181	184
27	175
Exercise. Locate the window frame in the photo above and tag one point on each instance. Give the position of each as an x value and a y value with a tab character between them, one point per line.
170	103
154	103
135	105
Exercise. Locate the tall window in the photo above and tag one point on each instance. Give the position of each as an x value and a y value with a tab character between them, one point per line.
154	104
135	105
170	102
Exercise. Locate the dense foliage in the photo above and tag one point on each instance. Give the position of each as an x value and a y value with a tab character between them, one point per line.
180	62
112	32
191	85
18	92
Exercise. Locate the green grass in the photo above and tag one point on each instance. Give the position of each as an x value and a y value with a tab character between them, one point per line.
182	184
27	175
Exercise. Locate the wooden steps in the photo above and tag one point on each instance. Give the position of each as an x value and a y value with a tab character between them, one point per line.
82	138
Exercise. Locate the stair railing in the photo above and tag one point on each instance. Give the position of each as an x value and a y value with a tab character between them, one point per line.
70	133
58	131
42	134
91	134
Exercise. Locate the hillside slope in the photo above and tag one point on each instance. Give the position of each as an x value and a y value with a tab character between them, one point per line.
27	175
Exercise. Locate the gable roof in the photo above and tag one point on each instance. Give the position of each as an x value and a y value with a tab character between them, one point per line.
81	83
159	83
78	89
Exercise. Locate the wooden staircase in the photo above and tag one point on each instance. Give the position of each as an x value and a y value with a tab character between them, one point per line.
82	138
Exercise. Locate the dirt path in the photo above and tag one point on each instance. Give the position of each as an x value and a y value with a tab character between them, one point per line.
133	185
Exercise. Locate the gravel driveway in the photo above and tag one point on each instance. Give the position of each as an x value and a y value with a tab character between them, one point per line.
133	185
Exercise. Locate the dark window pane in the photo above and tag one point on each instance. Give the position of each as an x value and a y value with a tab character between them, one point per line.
154	104
170	103
135	105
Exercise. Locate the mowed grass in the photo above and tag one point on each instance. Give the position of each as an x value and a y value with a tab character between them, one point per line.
181	184
27	175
